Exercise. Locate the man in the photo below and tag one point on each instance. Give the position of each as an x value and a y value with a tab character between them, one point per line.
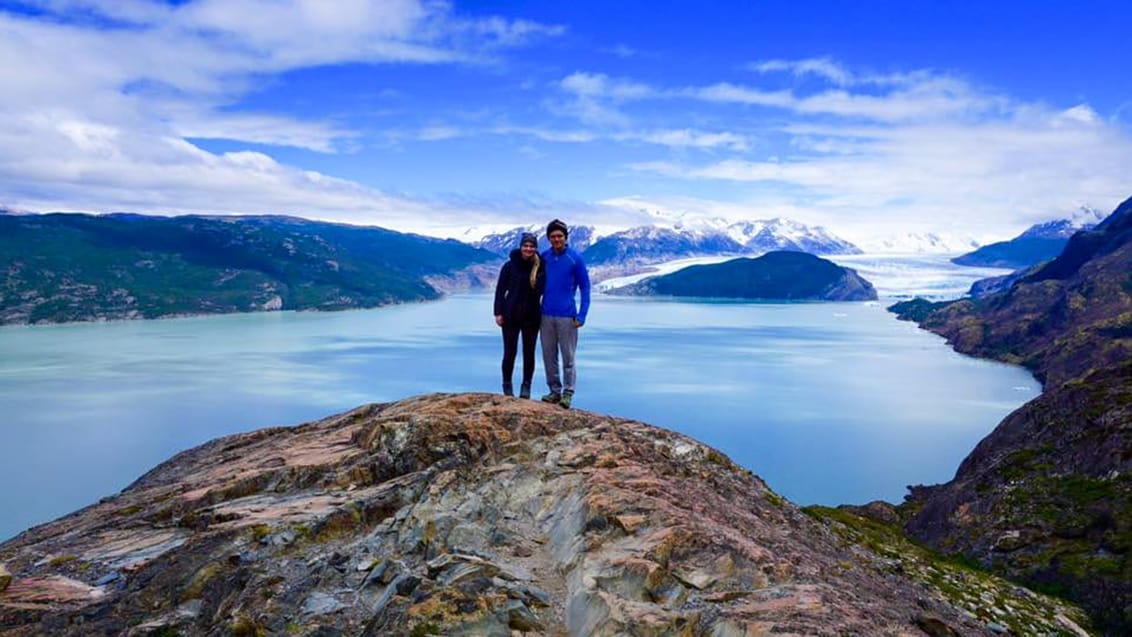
565	274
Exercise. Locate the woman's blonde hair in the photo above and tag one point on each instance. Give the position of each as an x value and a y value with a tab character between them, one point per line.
534	270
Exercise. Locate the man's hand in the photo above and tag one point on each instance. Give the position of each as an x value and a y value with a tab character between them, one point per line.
499	320
578	324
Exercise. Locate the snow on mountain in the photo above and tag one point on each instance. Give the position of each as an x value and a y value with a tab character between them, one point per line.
1040	242
785	234
920	243
651	244
678	237
1083	218
504	242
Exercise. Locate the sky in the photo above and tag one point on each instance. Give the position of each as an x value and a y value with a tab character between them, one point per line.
870	118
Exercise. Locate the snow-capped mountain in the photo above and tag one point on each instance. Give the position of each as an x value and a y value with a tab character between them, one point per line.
1083	218
652	244
1040	242
785	234
710	237
504	242
679	237
921	243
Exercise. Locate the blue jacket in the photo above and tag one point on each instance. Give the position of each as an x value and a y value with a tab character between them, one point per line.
565	274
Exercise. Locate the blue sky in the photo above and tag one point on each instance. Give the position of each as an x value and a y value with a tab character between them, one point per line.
871	118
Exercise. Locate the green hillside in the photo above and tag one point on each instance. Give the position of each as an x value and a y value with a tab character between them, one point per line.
73	267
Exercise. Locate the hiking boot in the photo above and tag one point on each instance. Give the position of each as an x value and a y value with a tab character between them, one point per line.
525	390
564	402
508	390
552	397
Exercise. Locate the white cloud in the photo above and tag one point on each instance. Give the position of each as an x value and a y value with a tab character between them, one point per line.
623	51
438	133
264	129
727	92
993	177
596	96
100	97
822	67
680	138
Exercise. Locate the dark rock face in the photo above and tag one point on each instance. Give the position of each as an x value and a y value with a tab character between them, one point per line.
787	276
480	515
1047	497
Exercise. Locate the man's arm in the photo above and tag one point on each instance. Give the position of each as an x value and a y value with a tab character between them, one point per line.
582	275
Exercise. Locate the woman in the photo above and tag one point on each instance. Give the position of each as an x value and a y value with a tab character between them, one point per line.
518	295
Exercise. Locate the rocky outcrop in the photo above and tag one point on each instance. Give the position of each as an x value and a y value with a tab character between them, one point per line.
483	515
775	276
1047	498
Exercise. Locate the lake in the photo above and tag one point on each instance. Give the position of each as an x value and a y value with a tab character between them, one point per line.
829	403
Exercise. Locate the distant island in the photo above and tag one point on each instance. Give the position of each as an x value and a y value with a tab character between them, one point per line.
77	267
775	276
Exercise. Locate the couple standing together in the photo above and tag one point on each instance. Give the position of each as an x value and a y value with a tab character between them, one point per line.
535	295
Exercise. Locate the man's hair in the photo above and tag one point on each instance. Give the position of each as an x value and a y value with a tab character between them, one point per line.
557	224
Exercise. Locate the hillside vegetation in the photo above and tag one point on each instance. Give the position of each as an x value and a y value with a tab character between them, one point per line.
72	267
1046	498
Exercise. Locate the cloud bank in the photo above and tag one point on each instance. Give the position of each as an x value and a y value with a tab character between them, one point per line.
106	103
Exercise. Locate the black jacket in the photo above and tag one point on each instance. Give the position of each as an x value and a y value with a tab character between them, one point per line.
514	298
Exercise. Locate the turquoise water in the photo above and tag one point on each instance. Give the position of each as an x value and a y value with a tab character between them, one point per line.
830	403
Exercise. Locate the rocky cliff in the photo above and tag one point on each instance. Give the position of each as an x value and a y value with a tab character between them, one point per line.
1047	497
483	515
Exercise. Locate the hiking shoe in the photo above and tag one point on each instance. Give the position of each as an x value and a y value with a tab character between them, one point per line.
552	397
525	390
507	390
564	402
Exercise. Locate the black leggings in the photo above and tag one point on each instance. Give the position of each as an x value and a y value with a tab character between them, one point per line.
511	346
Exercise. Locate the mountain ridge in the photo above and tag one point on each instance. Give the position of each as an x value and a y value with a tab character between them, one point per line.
1046	498
1040	242
669	240
72	267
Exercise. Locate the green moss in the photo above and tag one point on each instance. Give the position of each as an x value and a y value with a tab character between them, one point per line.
958	579
244	627
260	531
339	524
200	580
775	499
715	457
427	628
61	560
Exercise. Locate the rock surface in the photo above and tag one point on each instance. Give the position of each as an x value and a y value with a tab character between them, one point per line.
480	515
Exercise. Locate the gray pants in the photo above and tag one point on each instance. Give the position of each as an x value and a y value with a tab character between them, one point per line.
559	334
